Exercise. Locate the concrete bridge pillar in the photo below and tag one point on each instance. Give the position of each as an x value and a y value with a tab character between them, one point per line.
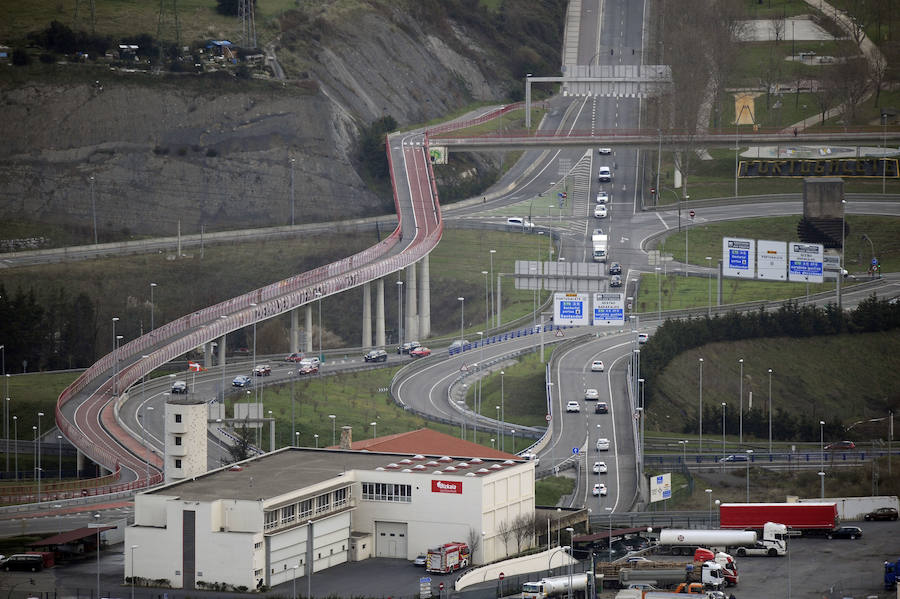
207	355
367	316
294	339
379	314
222	350
424	299
412	318
308	349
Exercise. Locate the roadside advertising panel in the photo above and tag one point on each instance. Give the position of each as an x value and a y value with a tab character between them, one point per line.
805	262
571	309
771	260
738	257
609	309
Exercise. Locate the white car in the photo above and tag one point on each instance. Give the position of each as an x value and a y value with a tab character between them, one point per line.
602	444
599	467
599	489
597	366
602	197
604	175
604	151
600	211
573	406
517	223
643	337
591	394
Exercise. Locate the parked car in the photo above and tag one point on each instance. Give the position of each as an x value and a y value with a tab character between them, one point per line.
604	151
573	406
591	394
408	347
615	268
604	175
845	532
643	337
294	357
308	366
882	513
601	408
376	355
733	458
602	198
600	211
599	467
179	387
241	380
27	562
602	444
420	352
615	281
420	560
597	366
262	370
840	445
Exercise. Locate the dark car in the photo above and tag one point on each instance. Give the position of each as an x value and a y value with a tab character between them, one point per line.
23	561
845	532
376	355
408	347
615	281
601	408
840	445
242	380
179	387
615	269
882	513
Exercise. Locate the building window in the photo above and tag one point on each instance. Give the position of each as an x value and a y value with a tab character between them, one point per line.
340	497
386	492
288	514
271	520
257	572
306	508
178	463
322	503
177	440
177	417
257	545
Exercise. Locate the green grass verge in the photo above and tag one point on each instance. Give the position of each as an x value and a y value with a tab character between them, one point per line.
548	491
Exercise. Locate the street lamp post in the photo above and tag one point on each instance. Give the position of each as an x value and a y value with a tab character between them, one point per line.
498	422
683	444
332	416
741	404
487	314
292	194
321	357
16	444
840	274
294	580
723	433
770	412
255	388
821	474
709	508
658	293
822	443
571	531
115	319
502	413
39	414
59	455
462	312
315	437
374	426
94	210
152	306
400	315
643	413
493	307
297	439
749	457
133	547
700	450
513	433
97	526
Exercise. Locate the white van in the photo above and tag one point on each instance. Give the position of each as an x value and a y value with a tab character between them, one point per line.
519	223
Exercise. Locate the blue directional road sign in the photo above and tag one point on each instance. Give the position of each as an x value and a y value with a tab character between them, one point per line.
571	308
738	257
805	262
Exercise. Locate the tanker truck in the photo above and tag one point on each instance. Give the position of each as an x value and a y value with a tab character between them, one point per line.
684	541
558	585
710	574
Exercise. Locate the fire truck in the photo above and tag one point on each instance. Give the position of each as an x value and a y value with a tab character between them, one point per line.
449	557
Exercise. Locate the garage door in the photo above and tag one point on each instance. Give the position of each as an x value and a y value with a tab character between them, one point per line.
390	539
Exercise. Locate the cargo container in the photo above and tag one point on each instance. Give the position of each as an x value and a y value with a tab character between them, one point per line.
798	517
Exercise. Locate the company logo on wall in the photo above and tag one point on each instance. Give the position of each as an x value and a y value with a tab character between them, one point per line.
446	486
845	167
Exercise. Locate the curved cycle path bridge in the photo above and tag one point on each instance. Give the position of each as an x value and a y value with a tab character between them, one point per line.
86	410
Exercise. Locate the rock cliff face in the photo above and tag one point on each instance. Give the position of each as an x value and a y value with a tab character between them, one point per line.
202	151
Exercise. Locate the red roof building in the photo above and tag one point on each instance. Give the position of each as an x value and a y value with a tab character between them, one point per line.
428	442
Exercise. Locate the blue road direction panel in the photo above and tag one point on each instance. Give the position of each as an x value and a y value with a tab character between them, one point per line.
738	257
805	262
660	487
571	309
771	260
609	309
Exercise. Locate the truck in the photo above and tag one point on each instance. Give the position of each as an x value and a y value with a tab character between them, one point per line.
684	541
772	544
797	517
709	573
600	244
685	588
891	574
558	585
729	566
449	557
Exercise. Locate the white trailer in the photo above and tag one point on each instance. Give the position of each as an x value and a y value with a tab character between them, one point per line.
684	541
557	585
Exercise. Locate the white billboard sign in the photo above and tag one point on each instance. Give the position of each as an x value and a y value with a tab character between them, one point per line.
738	257
571	308
805	261
771	260
609	309
660	487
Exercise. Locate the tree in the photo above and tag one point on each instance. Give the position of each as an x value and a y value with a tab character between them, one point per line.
877	71
474	541
241	448
504	531
523	529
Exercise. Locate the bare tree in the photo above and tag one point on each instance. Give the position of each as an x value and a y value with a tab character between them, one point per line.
877	73
504	531
849	79
778	27
523	529
474	541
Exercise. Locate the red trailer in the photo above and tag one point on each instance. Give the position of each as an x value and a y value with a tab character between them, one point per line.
796	516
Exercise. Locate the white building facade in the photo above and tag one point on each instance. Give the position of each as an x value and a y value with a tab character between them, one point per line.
266	520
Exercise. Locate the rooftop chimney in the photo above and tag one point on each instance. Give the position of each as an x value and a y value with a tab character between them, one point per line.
346	437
